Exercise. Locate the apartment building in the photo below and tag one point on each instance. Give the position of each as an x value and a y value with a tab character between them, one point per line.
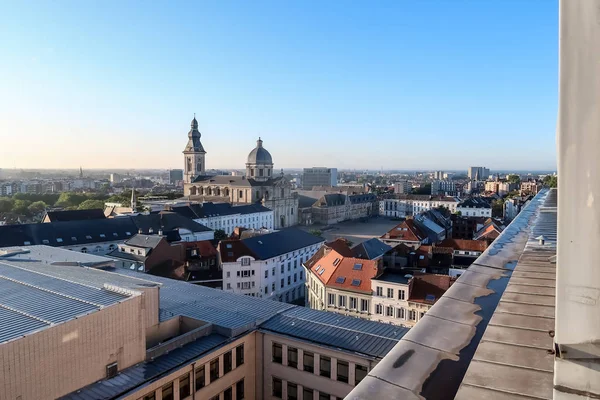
402	206
478	173
474	207
333	208
403	299
342	284
406	232
443	187
402	187
170	340
269	265
319	176
227	217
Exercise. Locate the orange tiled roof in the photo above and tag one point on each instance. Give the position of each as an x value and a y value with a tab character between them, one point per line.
337	271
406	231
463	244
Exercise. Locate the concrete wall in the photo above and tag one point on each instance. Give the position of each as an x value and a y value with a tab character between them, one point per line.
298	375
68	356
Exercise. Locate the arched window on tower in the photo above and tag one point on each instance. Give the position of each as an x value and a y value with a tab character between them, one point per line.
199	166
260	172
268	172
193	191
217	191
267	195
201	191
282	193
208	191
189	164
252	172
226	192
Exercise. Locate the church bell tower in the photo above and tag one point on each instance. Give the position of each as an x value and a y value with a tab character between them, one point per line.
193	154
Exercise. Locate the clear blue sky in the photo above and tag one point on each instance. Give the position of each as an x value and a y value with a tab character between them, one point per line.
399	84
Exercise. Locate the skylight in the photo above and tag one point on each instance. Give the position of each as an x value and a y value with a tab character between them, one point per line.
356	282
59	240
430	297
340	279
336	262
102	235
115	234
357	267
88	237
321	271
128	233
228	245
73	238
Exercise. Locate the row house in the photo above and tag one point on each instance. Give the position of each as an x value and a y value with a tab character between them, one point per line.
475	207
403	206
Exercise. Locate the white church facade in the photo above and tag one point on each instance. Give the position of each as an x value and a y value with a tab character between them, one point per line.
259	185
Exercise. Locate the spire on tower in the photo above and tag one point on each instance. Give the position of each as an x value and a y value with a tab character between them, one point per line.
133	200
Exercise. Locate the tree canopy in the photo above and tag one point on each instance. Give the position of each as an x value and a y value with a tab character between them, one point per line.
37	207
513	178
91	204
551	181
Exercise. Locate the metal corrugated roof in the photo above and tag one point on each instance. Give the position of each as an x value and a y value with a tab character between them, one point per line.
331	329
143	373
31	299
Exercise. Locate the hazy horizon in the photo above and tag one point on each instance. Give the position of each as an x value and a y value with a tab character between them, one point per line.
398	86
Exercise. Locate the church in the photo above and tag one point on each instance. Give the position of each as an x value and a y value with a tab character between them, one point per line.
258	185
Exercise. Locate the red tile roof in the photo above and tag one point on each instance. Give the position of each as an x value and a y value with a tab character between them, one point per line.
463	244
337	271
429	284
406	231
205	247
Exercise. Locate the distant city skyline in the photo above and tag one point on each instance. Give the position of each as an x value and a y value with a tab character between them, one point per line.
400	86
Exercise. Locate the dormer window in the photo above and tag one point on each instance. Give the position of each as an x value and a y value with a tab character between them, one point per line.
88	237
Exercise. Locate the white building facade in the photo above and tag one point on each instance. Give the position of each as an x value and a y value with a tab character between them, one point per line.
410	205
280	277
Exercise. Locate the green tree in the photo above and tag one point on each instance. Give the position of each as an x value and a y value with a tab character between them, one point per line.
513	178
425	189
220	234
37	207
91	204
550	181
68	199
316	232
21	207
6	204
497	208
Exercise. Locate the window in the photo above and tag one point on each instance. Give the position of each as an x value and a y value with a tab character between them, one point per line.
412	315
229	285
277	353
389	311
266	273
364	305
401	294
245	274
227	362
266	289
151	396
356	282
228	394
324	396
239	395
292	357
239	355
301	275
282	283
379	291
272	287
245	261
273	271
277	388
341	301
307	394
289	266
214	370
282	268
353	303
340	279
309	361
295	264
184	386
167	391
390	293
325	366
401	313
360	371
378	309
292	391
331	299
342	371
295	278
200	381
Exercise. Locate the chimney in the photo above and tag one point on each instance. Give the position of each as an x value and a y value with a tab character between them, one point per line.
140	231
160	232
150	231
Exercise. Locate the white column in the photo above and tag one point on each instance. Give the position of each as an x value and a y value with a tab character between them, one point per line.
577	367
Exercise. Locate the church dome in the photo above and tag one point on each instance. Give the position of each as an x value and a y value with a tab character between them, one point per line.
259	155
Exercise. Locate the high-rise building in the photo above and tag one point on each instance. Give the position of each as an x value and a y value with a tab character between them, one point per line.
443	187
438	175
402	187
175	175
478	173
319	176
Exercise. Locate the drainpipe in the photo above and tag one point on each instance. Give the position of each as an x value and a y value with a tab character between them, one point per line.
577	336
